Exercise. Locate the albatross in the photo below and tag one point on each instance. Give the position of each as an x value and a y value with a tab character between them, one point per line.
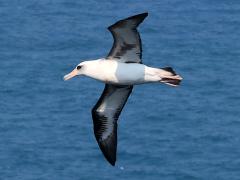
120	71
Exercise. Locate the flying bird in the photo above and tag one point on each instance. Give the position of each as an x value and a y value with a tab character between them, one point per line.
120	71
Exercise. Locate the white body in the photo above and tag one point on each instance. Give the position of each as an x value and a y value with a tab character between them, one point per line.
114	72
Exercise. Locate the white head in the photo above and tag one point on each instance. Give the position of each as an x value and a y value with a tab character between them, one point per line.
79	70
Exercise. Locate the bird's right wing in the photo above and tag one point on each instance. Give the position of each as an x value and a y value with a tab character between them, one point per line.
105	115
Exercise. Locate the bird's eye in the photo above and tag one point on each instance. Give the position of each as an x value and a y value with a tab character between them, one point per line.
79	67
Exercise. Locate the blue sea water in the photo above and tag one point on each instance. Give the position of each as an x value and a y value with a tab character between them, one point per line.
186	133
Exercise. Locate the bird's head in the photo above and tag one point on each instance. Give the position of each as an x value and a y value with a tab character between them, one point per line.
79	70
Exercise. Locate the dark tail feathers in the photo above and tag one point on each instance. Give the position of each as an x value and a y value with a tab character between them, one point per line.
173	79
169	69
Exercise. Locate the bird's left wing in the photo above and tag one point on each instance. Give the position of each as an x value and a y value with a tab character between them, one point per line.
105	115
127	46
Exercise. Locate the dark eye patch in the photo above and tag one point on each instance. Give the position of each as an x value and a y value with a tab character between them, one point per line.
79	67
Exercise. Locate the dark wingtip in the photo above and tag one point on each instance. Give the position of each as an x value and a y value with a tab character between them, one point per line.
109	152
111	158
145	14
139	17
112	162
142	15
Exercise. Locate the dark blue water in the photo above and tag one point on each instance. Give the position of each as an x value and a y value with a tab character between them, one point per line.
190	132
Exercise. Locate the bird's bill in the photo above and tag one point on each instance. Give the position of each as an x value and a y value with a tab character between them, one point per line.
70	75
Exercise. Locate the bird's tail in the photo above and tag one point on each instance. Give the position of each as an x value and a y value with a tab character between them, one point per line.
169	77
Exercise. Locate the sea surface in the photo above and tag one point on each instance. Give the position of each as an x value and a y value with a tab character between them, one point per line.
187	133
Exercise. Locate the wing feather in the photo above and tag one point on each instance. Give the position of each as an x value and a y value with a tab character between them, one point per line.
127	44
105	115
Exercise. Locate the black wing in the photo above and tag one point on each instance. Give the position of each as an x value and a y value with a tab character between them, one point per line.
127	45
105	115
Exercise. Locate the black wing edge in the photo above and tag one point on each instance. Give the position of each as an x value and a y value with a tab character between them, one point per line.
139	17
109	146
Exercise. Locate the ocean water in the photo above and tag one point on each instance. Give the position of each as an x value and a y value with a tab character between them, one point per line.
185	133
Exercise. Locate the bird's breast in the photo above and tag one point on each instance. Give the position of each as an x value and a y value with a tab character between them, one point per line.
104	71
113	72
